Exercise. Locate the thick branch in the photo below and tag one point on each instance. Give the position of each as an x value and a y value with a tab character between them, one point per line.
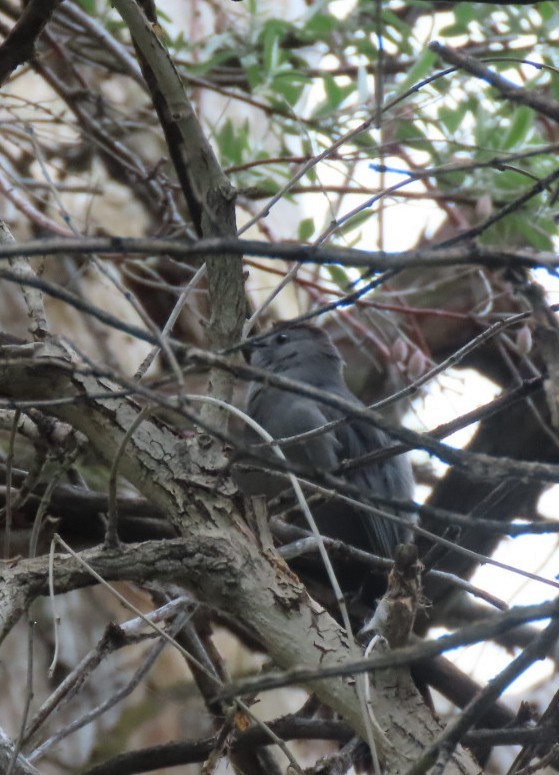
208	192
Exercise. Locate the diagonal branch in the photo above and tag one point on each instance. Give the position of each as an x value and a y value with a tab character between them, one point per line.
19	46
510	91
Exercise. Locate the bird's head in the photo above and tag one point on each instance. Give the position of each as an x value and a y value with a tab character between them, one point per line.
296	351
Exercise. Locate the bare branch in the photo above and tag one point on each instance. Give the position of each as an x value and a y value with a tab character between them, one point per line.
510	91
376	261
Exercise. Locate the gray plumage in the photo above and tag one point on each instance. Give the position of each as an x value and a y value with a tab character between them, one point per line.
307	354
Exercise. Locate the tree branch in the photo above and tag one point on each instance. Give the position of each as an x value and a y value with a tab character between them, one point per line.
509	90
208	192
220	560
19	46
492	257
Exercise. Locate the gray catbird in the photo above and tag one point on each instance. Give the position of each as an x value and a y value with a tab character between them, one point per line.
307	354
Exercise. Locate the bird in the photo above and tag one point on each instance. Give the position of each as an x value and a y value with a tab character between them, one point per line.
306	354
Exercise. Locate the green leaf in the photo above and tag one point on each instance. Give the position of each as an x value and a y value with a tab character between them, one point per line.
338	275
232	141
510	182
312	175
162	16
271	54
355	221
273	32
452	118
320	26
520	127
367	48
254	72
452	30
466	13
397	30
422	67
270	186
88	6
547	11
534	234
305	230
335	95
409	132
290	85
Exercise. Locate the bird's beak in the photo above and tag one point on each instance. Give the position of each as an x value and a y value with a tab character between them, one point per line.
249	346
246	350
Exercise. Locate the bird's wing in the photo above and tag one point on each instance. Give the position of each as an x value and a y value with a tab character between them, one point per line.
286	415
390	479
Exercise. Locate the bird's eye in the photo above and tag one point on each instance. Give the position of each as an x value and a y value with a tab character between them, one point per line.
281	338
